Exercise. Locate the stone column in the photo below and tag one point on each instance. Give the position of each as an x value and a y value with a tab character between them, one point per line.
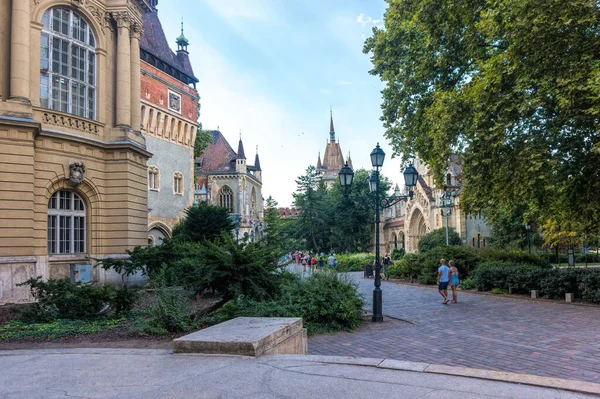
20	44
123	69
136	33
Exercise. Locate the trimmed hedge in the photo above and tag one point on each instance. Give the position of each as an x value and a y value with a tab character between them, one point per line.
353	262
552	283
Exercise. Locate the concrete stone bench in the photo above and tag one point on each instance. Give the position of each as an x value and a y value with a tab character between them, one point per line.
249	336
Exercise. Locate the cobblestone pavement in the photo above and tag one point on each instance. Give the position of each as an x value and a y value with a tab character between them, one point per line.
540	338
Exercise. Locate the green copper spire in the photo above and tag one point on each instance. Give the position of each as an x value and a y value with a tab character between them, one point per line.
182	41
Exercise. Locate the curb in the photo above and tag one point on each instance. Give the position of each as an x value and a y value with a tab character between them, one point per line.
457	371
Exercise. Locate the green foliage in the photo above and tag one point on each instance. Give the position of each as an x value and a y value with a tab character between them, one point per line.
468	283
203	140
326	302
204	222
589	287
273	238
437	238
353	262
499	291
59	299
509	256
329	218
169	312
124	300
466	260
55	329
398	253
512	87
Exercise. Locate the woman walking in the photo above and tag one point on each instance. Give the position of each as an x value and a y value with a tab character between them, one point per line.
454	281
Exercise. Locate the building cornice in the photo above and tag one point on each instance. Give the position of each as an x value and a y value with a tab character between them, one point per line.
169	84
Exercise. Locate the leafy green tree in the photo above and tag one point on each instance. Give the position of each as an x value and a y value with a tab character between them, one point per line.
511	86
203	222
274	238
203	140
437	238
314	221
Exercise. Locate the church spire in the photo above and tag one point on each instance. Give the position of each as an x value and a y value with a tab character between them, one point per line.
182	41
331	129
349	161
240	151
319	164
257	161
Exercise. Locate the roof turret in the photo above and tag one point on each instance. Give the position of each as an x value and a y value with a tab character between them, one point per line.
319	164
331	129
257	161
240	151
182	41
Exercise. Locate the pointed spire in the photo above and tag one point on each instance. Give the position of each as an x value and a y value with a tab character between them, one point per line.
319	164
331	129
240	151
257	161
349	161
182	41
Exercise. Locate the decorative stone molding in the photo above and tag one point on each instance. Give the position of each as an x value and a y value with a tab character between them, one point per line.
76	172
136	30
70	121
123	20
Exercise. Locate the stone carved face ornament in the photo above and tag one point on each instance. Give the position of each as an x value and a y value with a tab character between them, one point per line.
76	172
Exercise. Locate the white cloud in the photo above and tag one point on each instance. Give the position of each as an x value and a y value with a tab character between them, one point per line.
364	19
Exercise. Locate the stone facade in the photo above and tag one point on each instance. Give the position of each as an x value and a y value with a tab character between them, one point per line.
225	179
403	225
69	137
169	104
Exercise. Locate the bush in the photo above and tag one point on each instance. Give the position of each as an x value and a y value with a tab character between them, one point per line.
59	299
168	312
518	257
437	238
406	267
466	260
589	286
56	329
326	302
397	254
505	275
124	300
353	262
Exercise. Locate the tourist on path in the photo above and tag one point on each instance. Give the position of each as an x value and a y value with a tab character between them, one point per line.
454	281
443	279
331	262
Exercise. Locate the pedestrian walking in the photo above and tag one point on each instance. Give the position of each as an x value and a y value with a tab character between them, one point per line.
387	260
321	262
443	279
331	262
313	263
454	281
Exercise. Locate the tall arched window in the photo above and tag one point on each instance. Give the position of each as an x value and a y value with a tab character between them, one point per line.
253	201
68	63
226	198
66	223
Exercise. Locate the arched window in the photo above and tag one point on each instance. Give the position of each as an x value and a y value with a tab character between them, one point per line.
153	178
448	179
68	63
226	198
66	223
178	183
253	201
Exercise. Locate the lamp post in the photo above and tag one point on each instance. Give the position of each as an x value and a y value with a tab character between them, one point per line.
528	228
346	176
446	201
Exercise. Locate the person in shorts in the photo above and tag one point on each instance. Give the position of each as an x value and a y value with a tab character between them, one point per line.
454	281
443	279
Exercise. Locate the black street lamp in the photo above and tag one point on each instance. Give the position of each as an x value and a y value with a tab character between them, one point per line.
346	176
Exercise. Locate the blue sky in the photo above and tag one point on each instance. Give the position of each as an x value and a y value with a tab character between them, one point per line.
272	68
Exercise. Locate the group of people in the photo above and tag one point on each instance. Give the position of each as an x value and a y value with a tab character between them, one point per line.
310	261
448	275
385	262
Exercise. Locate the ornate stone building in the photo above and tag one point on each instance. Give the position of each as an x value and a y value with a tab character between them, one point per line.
403	225
73	162
225	179
333	160
169	104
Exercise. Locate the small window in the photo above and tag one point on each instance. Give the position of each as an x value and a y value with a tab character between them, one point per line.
66	223
153	178
448	179
178	183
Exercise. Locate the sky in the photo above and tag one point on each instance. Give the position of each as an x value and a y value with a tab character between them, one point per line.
271	69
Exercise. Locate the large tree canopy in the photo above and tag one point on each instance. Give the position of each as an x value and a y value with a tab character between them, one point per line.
511	85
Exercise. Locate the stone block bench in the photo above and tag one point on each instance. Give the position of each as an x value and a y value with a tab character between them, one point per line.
249	336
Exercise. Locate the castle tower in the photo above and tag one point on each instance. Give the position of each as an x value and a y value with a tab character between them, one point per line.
240	162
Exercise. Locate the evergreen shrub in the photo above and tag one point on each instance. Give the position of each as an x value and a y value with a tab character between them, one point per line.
437	238
326	302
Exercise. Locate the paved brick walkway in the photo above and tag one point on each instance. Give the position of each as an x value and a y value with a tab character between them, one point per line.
541	338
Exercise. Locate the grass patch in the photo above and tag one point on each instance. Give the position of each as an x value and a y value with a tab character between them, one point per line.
57	329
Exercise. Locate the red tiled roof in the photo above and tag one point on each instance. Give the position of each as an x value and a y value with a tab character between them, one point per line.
217	157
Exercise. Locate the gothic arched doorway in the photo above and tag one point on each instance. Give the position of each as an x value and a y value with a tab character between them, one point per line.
416	229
